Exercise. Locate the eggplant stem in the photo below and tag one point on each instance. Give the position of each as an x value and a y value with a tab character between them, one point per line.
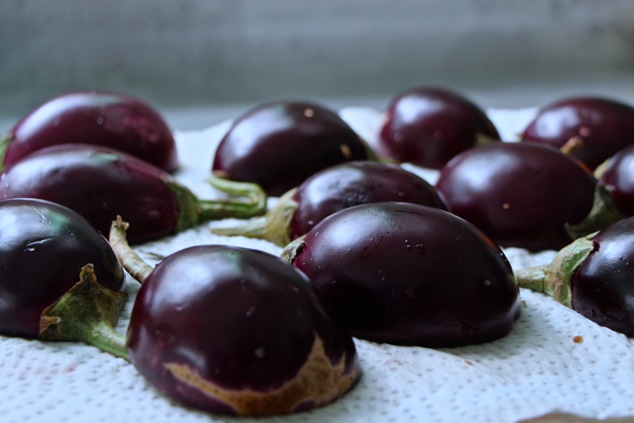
245	200
532	278
251	200
104	337
130	260
554	279
87	313
274	226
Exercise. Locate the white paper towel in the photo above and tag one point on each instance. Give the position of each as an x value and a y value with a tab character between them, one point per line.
553	360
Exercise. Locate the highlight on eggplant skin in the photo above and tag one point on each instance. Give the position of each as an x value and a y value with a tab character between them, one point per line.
115	120
235	331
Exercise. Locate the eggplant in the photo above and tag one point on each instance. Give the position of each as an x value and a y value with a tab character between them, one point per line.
100	183
590	129
279	144
525	195
617	175
594	275
235	331
59	279
114	120
408	274
428	126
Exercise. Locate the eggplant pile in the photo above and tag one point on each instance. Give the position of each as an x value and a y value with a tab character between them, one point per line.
370	251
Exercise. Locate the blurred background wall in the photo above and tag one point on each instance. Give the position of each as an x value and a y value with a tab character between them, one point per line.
197	54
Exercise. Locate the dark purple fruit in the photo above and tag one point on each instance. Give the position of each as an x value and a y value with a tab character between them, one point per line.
279	144
332	189
235	331
43	248
594	128
408	274
594	276
617	174
350	184
100	183
114	120
429	126
525	195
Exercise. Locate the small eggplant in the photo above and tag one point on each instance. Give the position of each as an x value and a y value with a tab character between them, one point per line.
100	183
525	195
279	144
594	276
114	120
332	189
617	175
591	129
428	126
59	278
235	331
407	274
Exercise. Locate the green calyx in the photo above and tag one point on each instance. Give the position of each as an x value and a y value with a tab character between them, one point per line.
245	200
274	226
88	312
554	279
602	214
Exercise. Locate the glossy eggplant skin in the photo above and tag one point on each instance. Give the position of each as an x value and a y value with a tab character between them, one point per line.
603	126
618	176
602	287
98	183
521	195
359	182
244	320
43	247
115	120
279	144
410	275
428	126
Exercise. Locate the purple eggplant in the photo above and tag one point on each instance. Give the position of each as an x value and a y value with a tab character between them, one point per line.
46	250
332	189
114	120
279	144
594	276
428	126
100	183
592	129
410	275
235	331
525	195
617	174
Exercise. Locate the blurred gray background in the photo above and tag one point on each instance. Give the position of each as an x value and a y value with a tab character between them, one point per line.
200	61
